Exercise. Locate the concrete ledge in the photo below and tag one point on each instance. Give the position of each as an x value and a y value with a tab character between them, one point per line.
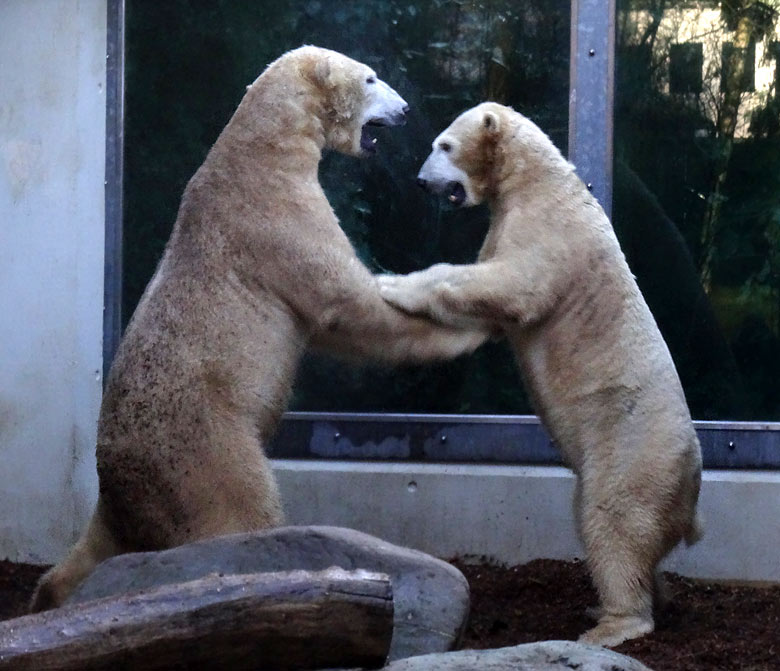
513	514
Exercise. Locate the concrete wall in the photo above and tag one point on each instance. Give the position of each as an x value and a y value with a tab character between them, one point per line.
52	165
513	514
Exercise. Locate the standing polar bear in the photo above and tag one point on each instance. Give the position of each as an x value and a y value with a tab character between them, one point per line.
257	268
551	274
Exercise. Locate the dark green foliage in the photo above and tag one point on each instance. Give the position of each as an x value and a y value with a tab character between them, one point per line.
673	159
188	63
187	66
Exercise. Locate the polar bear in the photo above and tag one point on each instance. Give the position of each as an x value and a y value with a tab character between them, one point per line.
552	276
256	269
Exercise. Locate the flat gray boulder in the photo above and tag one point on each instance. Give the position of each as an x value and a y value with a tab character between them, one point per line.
543	656
431	597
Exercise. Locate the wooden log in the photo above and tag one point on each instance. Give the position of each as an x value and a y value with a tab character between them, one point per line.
293	620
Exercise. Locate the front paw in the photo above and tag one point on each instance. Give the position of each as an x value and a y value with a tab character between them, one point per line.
399	294
386	280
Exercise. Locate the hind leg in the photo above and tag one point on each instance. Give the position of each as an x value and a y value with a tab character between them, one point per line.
621	555
246	498
96	544
661	598
661	595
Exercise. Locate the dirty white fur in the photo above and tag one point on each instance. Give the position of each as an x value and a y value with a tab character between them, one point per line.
257	269
552	276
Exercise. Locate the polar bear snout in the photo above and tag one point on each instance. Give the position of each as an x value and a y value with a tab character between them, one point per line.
453	191
440	176
384	107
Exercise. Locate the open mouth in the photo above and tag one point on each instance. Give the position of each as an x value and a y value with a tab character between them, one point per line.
367	139
455	193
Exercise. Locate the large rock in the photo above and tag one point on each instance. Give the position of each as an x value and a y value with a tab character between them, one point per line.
431	598
544	656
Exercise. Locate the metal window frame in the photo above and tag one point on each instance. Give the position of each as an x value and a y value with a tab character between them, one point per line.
114	179
440	438
592	95
487	439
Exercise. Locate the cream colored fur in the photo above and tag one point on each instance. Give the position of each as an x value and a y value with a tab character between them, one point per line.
256	270
551	275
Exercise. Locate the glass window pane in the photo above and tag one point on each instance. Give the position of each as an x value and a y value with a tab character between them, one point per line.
685	66
187	66
697	192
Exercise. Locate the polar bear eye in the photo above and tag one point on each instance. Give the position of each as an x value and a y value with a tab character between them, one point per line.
446	147
371	80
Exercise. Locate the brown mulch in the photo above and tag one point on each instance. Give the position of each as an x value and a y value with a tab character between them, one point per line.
17	582
706	627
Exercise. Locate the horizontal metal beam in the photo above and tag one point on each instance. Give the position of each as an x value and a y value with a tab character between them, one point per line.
509	439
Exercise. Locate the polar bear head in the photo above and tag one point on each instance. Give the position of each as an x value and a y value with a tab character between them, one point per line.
352	99
476	157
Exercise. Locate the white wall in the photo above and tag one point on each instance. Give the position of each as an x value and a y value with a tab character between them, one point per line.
52	165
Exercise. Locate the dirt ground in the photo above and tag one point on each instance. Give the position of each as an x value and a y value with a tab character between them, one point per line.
706	627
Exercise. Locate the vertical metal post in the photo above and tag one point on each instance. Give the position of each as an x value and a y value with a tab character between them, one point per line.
591	95
115	105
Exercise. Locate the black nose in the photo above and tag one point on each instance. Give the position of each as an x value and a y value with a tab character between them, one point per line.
422	183
406	109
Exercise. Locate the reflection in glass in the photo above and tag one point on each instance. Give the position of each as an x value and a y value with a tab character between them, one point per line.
697	191
187	65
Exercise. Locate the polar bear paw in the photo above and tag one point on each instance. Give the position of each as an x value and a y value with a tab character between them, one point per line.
401	293
612	631
594	613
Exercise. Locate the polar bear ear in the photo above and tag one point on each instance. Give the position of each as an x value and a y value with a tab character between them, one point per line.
490	122
315	67
321	72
